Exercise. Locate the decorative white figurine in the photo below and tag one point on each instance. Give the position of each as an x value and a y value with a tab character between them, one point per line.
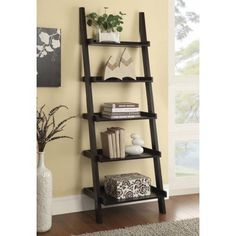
136	148
124	67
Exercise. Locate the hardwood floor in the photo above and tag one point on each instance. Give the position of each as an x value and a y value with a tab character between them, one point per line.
178	207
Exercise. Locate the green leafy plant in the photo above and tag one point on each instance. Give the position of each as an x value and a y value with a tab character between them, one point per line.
106	22
47	129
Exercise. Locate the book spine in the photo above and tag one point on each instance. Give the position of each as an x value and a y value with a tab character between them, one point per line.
111	151
117	143
114	144
122	143
110	109
121	113
120	105
107	144
121	117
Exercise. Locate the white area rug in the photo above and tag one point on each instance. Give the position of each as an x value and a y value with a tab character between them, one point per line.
189	227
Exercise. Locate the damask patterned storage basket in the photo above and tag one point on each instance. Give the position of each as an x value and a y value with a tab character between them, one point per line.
125	186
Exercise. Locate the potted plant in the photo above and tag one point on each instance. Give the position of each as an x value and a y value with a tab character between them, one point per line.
47	131
109	26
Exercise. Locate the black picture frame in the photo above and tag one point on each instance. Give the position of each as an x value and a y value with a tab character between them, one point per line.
48	57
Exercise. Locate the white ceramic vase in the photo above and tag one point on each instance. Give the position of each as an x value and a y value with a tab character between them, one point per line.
44	196
108	36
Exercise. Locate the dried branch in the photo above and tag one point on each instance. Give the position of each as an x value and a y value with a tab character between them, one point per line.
55	109
54	138
47	127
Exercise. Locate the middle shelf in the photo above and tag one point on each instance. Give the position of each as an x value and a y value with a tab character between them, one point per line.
100	79
143	116
148	153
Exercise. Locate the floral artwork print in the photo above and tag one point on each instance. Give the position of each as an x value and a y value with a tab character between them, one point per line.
48	57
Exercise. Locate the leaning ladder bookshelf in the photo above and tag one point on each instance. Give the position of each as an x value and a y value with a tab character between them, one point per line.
95	155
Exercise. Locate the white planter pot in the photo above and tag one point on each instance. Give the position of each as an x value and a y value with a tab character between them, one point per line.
44	196
108	36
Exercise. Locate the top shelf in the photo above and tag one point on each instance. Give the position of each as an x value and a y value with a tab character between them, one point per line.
121	44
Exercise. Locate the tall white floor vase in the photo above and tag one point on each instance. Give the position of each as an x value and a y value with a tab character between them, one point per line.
44	196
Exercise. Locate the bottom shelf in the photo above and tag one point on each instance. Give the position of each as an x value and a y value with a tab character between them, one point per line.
108	200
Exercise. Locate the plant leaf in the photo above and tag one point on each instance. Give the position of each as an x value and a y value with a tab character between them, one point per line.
119	28
89	22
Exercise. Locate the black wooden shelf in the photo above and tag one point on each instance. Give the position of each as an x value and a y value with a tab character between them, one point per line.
108	200
121	44
98	117
148	153
97	191
99	79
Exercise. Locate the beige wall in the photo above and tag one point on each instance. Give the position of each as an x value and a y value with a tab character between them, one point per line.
71	171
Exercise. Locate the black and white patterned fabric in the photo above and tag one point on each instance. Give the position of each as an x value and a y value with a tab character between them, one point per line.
125	186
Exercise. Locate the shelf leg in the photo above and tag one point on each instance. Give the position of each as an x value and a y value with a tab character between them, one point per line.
162	205
96	189
90	110
98	214
150	104
158	177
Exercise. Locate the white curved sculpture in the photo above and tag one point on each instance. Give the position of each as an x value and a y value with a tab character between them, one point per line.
136	148
134	136
133	149
44	196
138	141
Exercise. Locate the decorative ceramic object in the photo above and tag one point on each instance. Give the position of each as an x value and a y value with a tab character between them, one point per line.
136	148
124	67
108	36
44	196
133	149
47	130
134	136
138	141
112	69
127	65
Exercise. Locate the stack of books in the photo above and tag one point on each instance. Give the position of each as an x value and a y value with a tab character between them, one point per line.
118	110
113	142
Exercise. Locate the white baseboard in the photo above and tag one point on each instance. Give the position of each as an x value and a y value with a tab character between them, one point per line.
184	191
81	202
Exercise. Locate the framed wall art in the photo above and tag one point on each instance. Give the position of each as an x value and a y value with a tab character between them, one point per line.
48	57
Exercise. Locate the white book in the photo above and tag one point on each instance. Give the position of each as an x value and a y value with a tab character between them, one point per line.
121	104
113	135
107	148
117	140
109	109
121	117
121	141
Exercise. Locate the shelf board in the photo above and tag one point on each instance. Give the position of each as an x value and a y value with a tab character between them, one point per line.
148	153
99	79
143	116
108	200
121	44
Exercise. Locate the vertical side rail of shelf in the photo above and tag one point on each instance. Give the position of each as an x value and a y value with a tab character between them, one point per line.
90	110
150	103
